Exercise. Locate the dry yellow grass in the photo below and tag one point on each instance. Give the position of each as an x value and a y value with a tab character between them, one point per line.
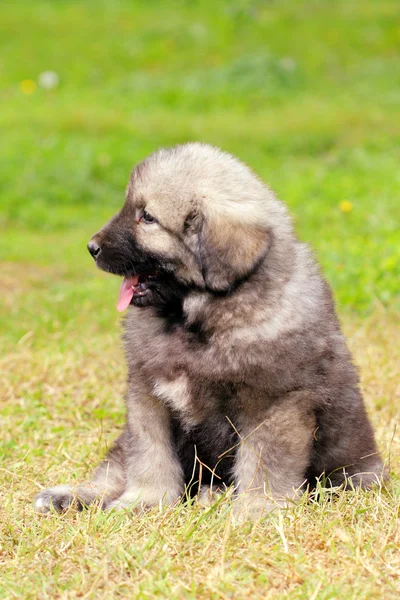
59	411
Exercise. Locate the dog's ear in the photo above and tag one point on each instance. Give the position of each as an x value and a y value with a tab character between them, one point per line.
230	251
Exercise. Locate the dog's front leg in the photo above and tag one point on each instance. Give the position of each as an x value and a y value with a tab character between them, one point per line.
273	456
153	472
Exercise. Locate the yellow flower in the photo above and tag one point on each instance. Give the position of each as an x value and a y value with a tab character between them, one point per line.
28	86
390	263
346	206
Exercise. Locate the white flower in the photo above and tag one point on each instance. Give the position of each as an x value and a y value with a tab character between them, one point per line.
287	63
48	80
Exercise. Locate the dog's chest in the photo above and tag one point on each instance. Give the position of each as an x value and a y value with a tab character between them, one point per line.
161	357
177	394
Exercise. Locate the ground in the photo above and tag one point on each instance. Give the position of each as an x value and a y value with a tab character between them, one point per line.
307	93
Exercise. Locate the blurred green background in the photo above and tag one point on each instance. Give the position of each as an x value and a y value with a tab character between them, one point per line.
306	92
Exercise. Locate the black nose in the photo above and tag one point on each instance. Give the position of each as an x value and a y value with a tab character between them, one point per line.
93	248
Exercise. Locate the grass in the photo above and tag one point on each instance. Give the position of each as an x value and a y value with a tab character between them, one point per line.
307	93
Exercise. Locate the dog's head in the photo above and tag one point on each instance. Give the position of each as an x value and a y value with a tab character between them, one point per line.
194	217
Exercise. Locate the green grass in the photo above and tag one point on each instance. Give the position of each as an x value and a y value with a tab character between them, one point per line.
307	93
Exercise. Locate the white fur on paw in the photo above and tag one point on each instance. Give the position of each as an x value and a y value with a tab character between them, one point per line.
140	499
248	507
209	495
58	498
128	501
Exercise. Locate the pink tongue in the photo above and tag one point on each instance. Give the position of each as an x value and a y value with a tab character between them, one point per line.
126	292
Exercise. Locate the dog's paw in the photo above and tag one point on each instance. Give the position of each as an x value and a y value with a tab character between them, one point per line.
58	498
252	508
209	495
128	501
141	499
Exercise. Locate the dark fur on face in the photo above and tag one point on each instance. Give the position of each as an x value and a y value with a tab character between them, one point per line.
121	255
238	372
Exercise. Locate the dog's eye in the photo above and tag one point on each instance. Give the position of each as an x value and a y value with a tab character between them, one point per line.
146	217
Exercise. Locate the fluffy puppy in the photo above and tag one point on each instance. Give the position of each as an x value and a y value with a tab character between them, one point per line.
238	370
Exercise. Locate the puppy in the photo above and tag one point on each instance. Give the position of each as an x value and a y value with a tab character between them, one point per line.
238	373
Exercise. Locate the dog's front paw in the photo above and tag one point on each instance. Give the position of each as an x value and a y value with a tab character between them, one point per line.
140	499
127	501
58	498
209	495
253	507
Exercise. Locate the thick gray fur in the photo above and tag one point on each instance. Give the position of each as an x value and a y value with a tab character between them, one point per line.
238	370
